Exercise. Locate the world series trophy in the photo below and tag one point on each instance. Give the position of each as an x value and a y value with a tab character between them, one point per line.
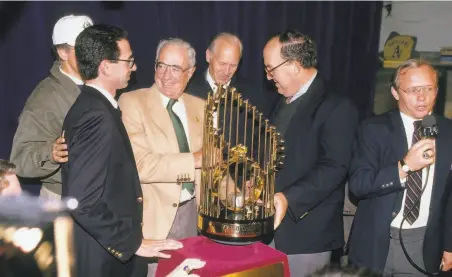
36	237
240	147
241	154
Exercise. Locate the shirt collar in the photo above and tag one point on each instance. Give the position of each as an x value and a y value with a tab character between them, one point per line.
212	82
304	88
166	99
107	95
76	80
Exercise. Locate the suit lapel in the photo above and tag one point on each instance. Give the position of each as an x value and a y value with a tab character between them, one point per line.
399	143
160	117
442	163
194	122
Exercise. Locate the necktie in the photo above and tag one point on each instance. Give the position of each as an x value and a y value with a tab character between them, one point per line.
414	185
181	138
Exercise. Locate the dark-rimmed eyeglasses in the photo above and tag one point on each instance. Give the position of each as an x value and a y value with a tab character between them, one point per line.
130	61
418	89
177	71
269	71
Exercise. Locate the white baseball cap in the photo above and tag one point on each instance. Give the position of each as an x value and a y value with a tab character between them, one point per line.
67	29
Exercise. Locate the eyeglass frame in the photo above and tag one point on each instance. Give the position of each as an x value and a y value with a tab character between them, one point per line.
157	62
269	71
131	61
434	87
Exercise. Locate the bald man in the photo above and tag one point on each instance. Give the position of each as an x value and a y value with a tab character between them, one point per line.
223	57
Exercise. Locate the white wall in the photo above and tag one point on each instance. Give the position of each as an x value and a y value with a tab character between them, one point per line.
429	21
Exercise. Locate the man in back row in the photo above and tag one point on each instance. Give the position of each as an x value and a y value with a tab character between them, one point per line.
38	150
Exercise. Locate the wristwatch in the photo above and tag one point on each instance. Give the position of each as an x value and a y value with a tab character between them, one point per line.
405	167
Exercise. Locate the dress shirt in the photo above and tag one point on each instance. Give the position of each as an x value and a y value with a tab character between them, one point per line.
426	196
105	93
304	88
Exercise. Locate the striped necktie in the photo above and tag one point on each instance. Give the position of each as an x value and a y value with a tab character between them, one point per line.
414	185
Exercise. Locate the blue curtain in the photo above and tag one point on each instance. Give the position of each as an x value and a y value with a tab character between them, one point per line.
346	33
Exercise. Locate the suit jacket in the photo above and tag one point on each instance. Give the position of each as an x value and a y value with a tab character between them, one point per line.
380	144
264	101
318	144
101	174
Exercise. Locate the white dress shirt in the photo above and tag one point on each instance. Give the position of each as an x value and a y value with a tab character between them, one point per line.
76	80
421	221
303	89
179	110
212	82
105	93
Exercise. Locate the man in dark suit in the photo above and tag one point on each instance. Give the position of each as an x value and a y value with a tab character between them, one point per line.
101	172
223	56
319	128
400	179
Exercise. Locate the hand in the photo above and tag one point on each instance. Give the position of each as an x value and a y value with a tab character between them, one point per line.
415	158
185	267
198	159
281	206
446	261
153	248
59	150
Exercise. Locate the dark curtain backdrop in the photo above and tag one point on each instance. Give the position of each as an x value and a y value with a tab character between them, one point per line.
346	33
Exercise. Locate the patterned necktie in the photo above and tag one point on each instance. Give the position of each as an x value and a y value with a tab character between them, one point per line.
414	185
181	138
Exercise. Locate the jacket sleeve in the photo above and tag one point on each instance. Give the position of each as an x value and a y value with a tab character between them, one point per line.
152	167
90	148
448	217
368	178
336	138
32	145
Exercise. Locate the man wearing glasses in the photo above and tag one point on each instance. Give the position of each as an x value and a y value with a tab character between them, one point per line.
164	125
401	180
38	150
318	128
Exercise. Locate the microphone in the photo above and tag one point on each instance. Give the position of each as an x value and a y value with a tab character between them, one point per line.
428	130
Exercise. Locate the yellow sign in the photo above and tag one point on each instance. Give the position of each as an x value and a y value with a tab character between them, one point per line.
398	48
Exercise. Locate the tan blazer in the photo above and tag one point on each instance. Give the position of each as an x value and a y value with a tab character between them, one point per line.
157	154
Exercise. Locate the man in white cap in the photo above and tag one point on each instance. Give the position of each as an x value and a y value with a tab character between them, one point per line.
38	146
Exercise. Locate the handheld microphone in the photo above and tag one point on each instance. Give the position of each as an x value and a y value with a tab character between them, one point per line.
429	128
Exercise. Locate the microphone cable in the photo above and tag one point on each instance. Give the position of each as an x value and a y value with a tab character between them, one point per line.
418	268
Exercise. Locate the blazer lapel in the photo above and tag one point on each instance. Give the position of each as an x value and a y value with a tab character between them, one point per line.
398	139
442	162
160	117
194	123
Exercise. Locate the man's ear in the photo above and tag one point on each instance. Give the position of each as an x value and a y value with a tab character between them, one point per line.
208	55
191	71
62	53
104	68
395	94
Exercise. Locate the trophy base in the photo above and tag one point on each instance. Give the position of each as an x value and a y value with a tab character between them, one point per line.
235	232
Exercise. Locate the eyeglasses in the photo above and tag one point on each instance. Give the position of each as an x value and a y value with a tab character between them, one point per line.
269	71
130	61
417	90
177	71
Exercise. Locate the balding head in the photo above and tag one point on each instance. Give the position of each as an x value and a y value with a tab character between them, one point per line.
223	56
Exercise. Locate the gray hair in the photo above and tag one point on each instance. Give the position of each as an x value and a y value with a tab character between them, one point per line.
177	41
231	38
6	168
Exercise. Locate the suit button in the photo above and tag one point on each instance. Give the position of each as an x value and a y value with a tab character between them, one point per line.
174	205
141	224
119	255
394	214
140	199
